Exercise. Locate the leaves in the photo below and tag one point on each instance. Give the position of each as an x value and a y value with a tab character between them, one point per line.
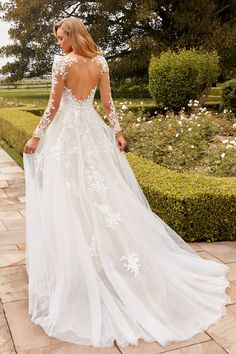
127	31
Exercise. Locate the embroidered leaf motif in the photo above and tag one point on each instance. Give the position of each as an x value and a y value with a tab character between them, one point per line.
95	181
111	217
132	263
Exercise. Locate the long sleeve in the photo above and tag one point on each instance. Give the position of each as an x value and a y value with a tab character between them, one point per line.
106	98
58	78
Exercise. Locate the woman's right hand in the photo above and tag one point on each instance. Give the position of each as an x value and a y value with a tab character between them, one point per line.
121	140
31	145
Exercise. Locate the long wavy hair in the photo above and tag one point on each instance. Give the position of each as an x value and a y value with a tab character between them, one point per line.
81	41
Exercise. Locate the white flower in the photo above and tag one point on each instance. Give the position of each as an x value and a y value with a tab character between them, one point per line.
189	129
179	122
198	125
234	126
169	147
225	141
222	155
190	103
150	121
139	119
141	102
177	135
137	125
225	111
124	107
192	146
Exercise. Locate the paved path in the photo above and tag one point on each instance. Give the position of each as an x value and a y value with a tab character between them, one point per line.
19	335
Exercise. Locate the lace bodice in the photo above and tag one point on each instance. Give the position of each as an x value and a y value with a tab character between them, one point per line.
78	78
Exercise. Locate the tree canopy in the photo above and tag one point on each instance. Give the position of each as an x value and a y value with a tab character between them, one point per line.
127	31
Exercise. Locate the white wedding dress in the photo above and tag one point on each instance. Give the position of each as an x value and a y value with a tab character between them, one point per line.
101	265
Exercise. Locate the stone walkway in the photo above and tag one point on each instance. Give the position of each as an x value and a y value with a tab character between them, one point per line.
19	335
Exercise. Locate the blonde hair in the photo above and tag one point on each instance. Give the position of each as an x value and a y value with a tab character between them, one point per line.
81	41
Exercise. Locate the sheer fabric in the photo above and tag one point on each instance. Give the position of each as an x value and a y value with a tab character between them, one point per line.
101	265
68	73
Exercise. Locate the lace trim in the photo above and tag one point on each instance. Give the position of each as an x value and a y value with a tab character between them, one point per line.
83	100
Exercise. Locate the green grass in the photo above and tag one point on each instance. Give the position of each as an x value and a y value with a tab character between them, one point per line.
216	91
40	98
35	97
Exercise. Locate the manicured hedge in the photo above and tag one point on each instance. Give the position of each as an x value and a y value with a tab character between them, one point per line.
17	126
198	208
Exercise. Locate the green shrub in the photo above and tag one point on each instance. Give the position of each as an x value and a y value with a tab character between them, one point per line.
229	94
198	208
17	126
175	78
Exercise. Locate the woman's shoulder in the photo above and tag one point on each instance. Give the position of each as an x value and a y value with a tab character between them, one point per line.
60	62
100	59
63	59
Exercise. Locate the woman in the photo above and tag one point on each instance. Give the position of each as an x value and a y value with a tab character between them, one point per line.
102	266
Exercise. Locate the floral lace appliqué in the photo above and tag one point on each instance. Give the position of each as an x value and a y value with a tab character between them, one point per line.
95	181
111	218
58	71
92	248
39	160
132	263
72	186
101	60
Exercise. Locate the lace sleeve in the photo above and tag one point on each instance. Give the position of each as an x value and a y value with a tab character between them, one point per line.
106	98
58	78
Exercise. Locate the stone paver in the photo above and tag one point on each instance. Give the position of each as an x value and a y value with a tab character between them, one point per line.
18	334
6	343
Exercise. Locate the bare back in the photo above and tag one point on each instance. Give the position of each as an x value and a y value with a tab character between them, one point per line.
83	76
79	76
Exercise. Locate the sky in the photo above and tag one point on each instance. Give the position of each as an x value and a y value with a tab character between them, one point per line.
4	38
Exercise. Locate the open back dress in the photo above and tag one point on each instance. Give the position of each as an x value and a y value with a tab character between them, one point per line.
102	266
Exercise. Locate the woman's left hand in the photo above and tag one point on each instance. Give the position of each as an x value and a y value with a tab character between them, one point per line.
121	141
31	145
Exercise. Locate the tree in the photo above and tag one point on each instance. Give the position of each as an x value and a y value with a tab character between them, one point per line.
127	31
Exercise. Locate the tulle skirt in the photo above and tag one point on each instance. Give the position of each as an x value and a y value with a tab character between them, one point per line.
101	265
